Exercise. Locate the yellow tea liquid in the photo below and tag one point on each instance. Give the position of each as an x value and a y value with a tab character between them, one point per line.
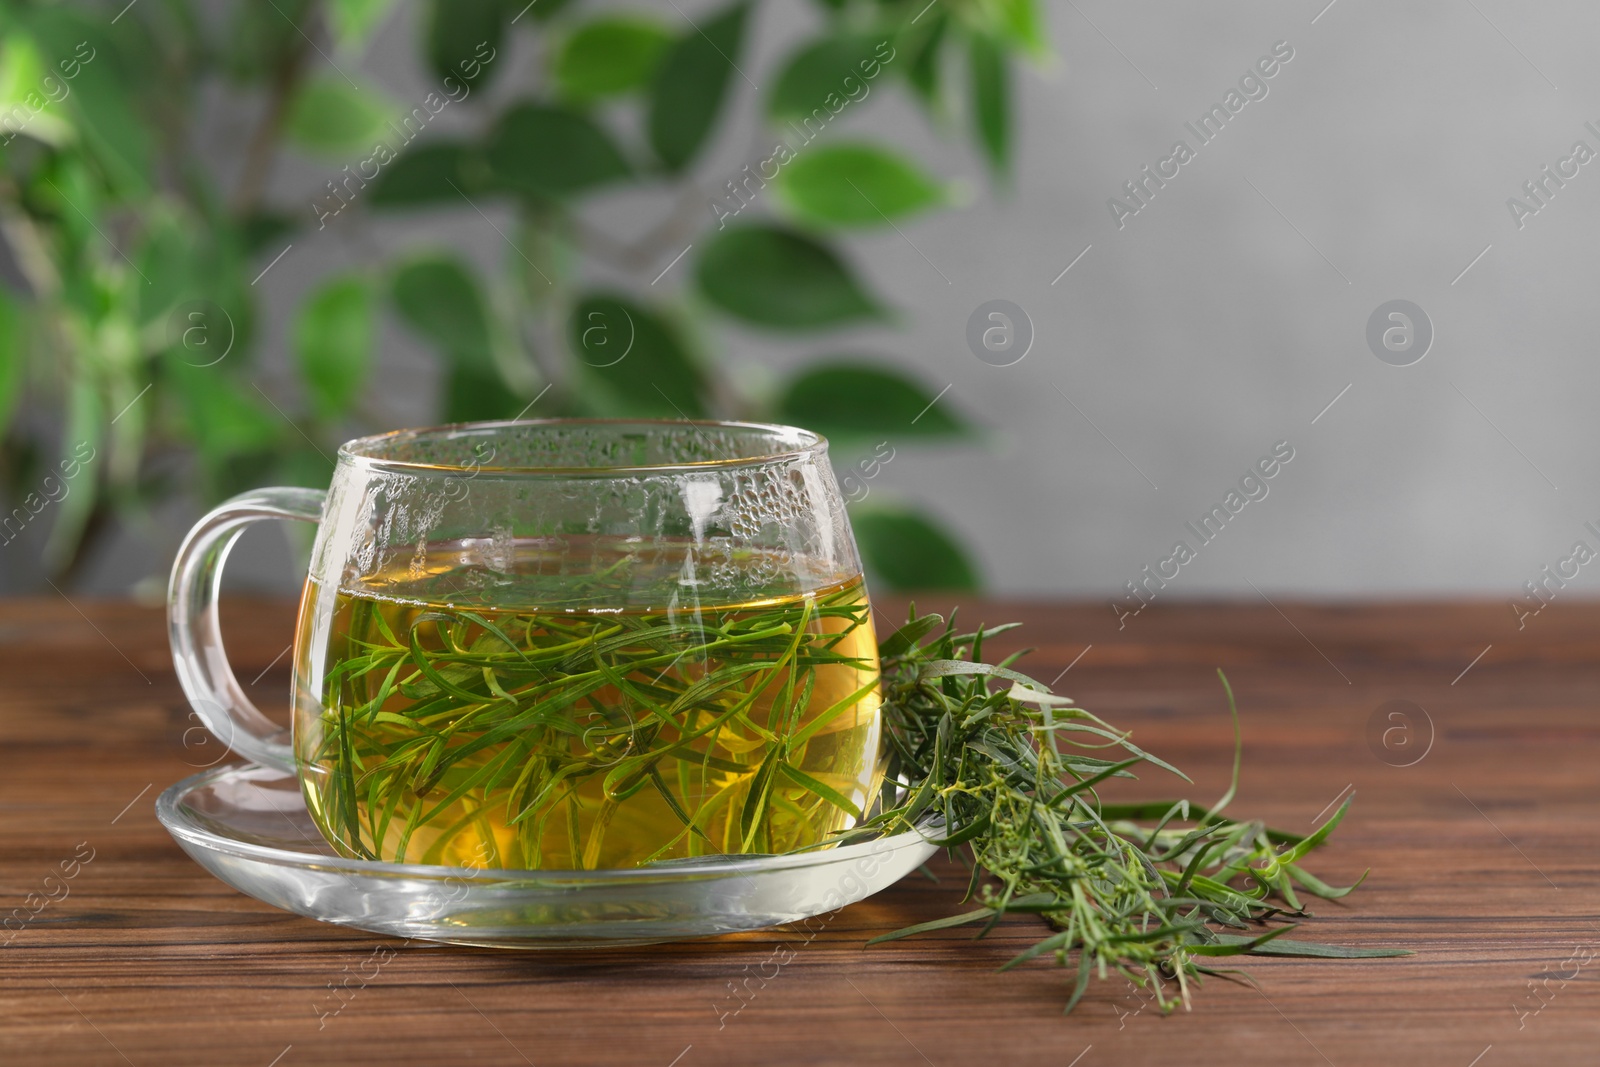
444	717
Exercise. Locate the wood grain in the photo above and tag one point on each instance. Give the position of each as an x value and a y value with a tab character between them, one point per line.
1483	859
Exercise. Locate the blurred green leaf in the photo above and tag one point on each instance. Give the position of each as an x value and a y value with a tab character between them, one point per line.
464	39
167	262
820	79
331	116
778	278
636	358
21	66
473	395
923	47
100	97
76	197
263	228
298	463
200	332
541	11
552	152
855	185
333	342
219	272
991	100
221	415
353	21
24	106
610	55
907	550
232	473
13	356
1016	22
848	397
83	440
438	297
424	176
690	84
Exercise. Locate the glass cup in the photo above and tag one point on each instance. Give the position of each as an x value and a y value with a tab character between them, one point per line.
571	644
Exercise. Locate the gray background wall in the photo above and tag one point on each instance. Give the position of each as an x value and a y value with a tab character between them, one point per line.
1221	319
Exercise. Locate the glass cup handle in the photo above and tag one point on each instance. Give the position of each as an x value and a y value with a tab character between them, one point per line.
196	633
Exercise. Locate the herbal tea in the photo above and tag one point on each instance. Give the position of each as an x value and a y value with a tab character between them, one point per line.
453	714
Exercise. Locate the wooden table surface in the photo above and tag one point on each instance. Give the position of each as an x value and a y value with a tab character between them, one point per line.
1483	855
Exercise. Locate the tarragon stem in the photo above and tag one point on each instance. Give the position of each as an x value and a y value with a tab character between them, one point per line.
1143	890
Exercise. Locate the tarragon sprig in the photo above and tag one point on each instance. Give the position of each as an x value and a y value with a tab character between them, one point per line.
1008	776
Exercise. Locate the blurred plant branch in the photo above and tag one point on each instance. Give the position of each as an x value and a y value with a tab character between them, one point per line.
128	278
263	146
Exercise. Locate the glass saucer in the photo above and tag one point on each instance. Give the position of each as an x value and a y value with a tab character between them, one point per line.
248	825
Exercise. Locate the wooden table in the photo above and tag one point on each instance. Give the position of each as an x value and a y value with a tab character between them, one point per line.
1483	856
